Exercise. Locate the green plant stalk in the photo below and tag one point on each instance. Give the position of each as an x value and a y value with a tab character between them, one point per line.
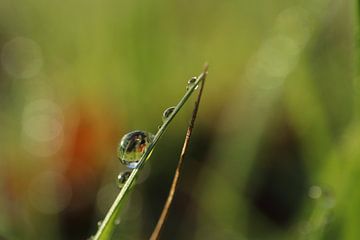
107	226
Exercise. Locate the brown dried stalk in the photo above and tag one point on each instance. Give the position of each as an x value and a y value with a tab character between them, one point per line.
156	233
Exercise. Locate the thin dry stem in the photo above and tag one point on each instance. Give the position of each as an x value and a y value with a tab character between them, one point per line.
156	233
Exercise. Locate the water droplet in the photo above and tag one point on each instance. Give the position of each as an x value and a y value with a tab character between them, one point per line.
99	223
122	178
315	192
167	113
191	83
132	146
117	221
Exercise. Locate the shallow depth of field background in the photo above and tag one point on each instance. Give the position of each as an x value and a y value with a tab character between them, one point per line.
276	148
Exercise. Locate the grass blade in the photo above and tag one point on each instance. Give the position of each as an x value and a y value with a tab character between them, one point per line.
108	224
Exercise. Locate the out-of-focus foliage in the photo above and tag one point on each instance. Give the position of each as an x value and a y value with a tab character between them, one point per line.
275	152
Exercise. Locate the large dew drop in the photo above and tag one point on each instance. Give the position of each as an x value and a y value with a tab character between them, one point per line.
191	82
132	146
122	178
167	113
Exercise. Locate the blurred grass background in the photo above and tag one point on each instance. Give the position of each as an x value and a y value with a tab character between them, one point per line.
275	152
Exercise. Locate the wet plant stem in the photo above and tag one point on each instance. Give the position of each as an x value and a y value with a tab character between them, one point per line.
108	224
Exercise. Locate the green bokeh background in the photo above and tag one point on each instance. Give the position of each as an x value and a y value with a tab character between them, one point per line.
275	152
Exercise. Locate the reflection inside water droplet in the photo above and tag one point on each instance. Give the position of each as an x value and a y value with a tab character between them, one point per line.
191	82
167	113
132	146
122	178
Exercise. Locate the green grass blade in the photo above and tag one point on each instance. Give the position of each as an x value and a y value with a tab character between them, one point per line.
108	224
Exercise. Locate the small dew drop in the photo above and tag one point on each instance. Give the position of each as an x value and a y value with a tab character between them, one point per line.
117	221
167	113
315	192
191	82
132	146
122	178
99	223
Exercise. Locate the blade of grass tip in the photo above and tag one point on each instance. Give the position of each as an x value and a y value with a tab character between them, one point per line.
107	226
157	230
